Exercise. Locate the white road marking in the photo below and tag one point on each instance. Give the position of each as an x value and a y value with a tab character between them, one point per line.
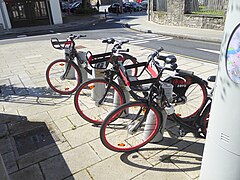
140	42
209	50
34	56
142	38
150	39
164	39
134	36
147	35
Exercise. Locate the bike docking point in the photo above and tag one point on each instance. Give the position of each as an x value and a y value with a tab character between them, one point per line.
83	57
99	89
150	124
71	73
126	94
150	121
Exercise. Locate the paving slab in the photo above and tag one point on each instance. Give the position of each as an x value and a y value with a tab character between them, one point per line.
100	150
115	168
69	162
64	124
82	135
32	172
77	120
10	162
165	170
5	145
82	175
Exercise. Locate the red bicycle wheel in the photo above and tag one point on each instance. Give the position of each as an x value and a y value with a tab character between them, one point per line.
65	86
87	99
132	129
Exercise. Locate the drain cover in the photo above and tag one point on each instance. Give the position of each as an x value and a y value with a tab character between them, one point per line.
32	140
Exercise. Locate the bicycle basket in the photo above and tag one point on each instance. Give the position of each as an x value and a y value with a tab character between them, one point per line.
98	61
60	44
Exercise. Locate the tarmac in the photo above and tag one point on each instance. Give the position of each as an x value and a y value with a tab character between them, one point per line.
43	137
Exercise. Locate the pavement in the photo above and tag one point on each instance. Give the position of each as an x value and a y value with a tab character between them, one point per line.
43	137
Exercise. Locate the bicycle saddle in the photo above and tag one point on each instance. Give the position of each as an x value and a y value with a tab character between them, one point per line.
108	41
170	59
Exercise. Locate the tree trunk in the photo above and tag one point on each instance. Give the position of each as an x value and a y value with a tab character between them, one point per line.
216	4
195	6
188	6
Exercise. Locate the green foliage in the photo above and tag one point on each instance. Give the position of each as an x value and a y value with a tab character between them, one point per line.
203	10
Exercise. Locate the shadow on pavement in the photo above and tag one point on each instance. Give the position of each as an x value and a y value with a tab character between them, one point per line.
187	159
31	95
30	150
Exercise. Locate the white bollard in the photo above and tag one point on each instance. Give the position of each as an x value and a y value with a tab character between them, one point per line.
99	89
126	94
150	124
71	73
84	73
221	157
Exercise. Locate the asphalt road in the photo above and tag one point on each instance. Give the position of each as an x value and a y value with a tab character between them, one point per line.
114	28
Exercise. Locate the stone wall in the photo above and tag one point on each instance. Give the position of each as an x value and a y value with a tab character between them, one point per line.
188	20
178	14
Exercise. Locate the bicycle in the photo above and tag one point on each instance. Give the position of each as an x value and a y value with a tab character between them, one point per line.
134	130
95	109
64	75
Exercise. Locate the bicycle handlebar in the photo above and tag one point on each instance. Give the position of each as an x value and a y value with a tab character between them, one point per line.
156	53
74	36
61	44
171	61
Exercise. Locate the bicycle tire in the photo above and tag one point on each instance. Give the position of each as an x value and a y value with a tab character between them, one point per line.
119	136
85	101
205	119
53	75
193	90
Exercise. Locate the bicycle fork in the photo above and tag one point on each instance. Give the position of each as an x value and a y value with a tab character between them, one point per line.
67	70
104	95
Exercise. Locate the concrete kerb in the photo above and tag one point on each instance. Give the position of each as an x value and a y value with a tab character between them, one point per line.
177	35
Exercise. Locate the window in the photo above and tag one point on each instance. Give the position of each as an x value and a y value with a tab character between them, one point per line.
160	5
18	11
40	9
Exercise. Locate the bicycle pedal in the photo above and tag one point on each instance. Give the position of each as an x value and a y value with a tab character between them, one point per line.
181	132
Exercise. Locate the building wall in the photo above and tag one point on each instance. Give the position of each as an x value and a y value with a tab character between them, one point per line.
4	18
189	20
56	12
175	16
56	15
